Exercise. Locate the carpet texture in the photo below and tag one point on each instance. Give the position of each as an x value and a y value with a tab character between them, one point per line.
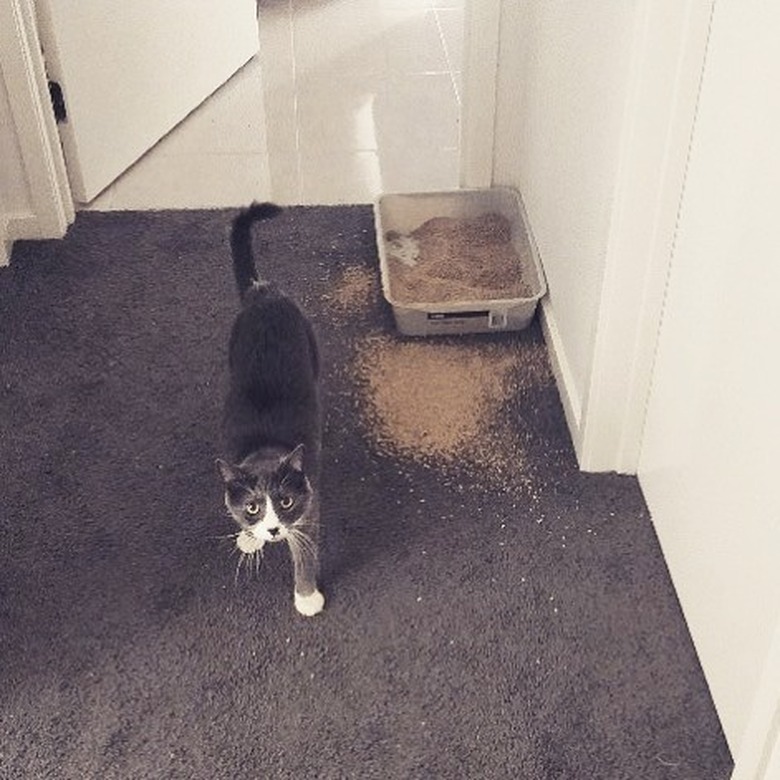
491	611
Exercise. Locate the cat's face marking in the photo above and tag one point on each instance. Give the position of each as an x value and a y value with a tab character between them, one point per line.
267	500
268	528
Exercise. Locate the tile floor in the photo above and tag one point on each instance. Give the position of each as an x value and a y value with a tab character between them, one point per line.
346	99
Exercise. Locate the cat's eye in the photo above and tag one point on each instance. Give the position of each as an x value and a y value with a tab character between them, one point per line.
252	507
285	502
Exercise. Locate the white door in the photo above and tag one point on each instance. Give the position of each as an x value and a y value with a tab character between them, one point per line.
711	447
130	71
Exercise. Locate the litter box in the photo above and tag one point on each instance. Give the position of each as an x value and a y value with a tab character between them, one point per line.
398	215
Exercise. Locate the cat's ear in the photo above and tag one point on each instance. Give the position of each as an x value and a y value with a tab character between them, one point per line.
295	458
229	473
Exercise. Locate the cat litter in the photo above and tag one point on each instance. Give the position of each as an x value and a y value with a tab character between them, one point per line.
462	261
457	422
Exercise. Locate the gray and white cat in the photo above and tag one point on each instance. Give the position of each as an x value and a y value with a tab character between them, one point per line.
272	420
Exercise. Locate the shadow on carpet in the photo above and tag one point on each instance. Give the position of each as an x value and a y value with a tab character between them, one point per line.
492	612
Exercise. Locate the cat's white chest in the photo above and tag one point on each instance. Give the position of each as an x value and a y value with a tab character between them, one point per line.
248	543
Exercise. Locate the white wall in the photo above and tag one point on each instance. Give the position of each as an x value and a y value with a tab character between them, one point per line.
594	111
14	192
563	85
35	200
711	448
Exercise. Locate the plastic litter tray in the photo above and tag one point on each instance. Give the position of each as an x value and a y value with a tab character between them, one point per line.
400	214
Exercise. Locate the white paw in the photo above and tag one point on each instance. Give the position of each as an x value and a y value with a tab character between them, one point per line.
309	605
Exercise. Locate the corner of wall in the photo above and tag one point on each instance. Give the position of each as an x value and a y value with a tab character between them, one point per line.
477	126
567	388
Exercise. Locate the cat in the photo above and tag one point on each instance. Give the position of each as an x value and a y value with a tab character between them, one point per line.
271	421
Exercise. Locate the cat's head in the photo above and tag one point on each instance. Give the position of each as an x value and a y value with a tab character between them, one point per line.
268	497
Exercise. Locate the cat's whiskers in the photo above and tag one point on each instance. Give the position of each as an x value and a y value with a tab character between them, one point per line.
251	561
300	543
295	550
225	536
296	531
304	523
238	568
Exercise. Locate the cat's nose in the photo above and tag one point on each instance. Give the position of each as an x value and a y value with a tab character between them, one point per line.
274	531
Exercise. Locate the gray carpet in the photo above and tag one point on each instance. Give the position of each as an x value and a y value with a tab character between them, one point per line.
505	617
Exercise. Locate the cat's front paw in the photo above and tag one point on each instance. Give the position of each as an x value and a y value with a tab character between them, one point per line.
309	605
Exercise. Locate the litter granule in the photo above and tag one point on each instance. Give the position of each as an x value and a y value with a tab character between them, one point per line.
356	286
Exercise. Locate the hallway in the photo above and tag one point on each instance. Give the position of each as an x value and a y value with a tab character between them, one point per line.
345	100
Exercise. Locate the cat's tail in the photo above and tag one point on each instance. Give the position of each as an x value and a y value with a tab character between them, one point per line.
241	243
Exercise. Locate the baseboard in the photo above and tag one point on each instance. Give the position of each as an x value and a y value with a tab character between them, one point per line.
570	398
17	227
6	244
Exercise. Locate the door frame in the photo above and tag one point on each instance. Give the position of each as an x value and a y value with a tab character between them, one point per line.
665	78
758	754
50	208
481	29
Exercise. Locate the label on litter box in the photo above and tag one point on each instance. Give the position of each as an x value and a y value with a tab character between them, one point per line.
496	320
457	315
